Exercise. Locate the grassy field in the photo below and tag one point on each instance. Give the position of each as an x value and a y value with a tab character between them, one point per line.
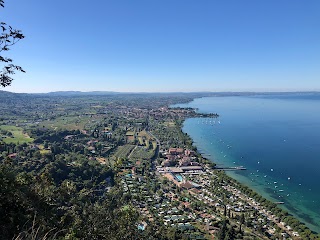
18	135
98	106
144	134
169	124
140	140
43	151
146	139
69	123
154	144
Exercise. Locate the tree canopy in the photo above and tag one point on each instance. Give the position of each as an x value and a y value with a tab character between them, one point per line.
8	37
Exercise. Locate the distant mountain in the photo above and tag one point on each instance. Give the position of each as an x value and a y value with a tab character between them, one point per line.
6	94
101	93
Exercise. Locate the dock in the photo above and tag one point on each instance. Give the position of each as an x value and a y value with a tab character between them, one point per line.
231	168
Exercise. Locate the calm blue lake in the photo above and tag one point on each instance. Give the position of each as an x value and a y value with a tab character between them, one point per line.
276	137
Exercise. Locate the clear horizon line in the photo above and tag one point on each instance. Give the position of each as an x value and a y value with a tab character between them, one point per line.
157	92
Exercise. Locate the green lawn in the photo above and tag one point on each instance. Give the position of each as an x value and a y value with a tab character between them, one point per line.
18	135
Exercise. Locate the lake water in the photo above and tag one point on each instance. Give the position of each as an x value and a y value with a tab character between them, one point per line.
276	137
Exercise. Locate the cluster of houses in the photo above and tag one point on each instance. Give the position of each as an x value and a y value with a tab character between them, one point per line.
198	183
180	162
179	156
180	167
151	204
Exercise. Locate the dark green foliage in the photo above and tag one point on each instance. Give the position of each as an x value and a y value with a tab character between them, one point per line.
223	230
19	202
56	206
65	196
52	194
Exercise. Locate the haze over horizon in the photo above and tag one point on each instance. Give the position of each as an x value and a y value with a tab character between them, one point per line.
169	92
167	46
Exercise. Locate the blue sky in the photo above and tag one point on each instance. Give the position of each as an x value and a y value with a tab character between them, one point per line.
166	45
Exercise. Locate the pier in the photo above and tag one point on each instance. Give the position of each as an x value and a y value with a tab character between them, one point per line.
231	168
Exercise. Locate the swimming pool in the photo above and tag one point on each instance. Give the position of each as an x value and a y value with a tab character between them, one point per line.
179	177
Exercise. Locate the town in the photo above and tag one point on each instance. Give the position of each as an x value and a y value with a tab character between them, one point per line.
90	149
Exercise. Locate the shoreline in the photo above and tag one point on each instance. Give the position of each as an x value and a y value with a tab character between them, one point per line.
241	179
245	182
300	212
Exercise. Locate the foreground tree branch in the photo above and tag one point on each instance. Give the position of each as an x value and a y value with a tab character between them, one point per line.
8	37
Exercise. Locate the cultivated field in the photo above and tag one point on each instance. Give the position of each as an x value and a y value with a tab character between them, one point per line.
141	153
18	136
123	151
69	123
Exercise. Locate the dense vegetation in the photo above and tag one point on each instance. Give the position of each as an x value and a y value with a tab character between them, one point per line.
50	187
